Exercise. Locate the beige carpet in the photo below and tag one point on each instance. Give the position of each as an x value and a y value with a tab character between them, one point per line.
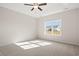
55	49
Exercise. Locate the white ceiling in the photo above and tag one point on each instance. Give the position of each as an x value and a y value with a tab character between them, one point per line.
49	9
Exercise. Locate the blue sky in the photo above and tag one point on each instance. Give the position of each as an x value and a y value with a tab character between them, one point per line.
53	22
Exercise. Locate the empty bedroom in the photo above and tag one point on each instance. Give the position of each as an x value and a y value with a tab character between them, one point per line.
39	29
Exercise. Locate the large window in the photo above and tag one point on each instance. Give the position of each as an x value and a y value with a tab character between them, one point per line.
53	27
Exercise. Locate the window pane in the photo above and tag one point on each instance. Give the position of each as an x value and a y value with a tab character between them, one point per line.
53	27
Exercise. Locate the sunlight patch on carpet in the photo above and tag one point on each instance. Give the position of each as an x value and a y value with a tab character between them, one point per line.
32	44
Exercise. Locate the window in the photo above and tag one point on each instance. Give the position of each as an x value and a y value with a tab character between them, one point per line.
53	27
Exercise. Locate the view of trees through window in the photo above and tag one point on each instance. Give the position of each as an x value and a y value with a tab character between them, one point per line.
53	27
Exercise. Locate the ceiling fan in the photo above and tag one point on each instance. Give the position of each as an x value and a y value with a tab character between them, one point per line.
36	5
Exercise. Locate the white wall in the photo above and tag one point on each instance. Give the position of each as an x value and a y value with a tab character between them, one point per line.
70	21
15	27
78	24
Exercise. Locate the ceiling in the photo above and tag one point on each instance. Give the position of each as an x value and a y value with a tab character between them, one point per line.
49	9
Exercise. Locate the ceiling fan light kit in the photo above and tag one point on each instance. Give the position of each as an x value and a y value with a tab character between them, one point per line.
36	5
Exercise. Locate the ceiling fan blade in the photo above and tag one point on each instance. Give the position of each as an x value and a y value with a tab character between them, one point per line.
42	4
32	9
39	8
28	4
